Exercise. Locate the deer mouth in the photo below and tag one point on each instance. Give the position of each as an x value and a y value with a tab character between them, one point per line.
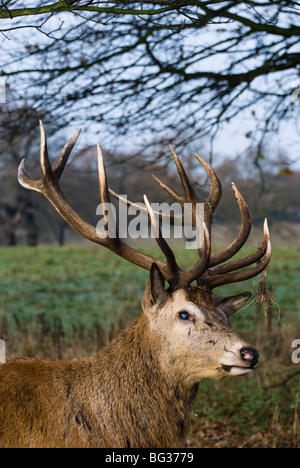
237	370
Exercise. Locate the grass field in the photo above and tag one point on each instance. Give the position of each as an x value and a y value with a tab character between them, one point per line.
70	302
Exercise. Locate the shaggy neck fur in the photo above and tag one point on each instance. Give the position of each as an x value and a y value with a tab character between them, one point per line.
156	410
118	398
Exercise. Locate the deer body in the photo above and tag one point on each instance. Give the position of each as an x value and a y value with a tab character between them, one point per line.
103	401
139	391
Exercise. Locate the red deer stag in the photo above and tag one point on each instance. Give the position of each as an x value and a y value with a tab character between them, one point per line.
139	390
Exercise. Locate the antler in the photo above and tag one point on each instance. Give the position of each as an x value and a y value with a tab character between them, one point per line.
217	274
222	274
210	205
206	271
49	187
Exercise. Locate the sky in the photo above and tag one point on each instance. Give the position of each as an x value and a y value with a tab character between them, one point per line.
230	141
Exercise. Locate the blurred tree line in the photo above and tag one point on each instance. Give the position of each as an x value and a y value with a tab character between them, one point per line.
27	218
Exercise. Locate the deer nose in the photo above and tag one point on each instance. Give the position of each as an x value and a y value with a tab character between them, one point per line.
250	355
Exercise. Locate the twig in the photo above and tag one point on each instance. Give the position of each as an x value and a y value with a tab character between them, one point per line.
283	382
4	6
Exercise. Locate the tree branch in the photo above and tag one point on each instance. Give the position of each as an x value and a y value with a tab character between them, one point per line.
283	382
177	68
63	6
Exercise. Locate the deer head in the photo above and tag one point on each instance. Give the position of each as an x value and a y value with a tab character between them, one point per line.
187	324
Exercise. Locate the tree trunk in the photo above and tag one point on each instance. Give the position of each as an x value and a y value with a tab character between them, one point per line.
32	229
9	235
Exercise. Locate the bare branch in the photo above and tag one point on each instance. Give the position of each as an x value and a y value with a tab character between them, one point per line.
282	383
143	67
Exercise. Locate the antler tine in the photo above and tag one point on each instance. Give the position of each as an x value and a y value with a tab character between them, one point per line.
44	158
204	254
173	268
228	278
49	176
237	244
243	262
190	195
55	174
63	158
169	190
23	177
104	192
105	198
216	188
26	181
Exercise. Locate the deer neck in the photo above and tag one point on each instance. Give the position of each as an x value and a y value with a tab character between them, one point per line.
138	355
158	405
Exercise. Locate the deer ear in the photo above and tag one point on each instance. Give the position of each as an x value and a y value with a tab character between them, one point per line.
231	304
155	295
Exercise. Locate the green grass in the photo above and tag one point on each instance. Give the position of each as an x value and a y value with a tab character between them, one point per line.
69	302
81	286
86	285
241	413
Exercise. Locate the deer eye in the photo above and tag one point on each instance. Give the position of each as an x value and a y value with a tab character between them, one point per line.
184	316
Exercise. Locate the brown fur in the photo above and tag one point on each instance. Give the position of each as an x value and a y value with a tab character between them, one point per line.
113	399
138	392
